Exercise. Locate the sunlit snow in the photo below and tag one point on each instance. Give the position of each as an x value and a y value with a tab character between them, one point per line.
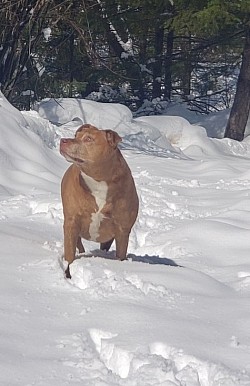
176	313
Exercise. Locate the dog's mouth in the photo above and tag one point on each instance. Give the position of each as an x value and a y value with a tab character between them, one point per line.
69	158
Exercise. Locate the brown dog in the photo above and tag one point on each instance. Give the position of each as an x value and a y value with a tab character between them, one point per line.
99	198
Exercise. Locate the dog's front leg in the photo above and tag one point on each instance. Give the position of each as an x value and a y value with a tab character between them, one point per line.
71	234
121	240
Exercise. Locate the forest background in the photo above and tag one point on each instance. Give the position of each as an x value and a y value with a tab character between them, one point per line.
141	53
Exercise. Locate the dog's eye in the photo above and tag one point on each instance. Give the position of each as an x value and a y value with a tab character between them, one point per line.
88	139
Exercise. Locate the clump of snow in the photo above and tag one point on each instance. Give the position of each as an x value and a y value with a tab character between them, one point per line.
46	33
177	311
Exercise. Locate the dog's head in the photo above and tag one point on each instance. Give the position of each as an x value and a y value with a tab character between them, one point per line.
89	145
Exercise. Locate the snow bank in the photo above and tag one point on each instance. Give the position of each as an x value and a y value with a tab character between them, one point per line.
165	136
26	161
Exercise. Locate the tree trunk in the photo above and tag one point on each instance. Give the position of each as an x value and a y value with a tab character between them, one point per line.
157	66
168	65
71	63
187	68
241	107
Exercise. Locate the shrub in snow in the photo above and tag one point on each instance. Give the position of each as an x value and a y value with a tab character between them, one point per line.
154	107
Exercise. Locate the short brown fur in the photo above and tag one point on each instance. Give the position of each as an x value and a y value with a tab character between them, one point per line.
94	153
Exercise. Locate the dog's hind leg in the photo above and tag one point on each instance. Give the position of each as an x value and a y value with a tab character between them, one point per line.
106	246
79	245
121	240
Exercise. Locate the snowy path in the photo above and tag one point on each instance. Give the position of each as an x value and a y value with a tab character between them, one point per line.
141	322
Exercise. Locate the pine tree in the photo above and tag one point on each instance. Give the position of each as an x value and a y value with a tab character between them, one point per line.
224	21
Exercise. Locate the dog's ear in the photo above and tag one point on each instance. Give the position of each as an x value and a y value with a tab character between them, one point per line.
113	138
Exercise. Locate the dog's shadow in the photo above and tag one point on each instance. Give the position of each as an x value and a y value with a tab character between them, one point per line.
140	259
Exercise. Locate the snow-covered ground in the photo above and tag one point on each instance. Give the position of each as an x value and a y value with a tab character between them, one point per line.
176	313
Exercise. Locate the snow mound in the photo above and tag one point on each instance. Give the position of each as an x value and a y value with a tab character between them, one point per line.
192	140
26	161
102	115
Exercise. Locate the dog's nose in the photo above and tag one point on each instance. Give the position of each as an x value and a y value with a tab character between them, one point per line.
64	140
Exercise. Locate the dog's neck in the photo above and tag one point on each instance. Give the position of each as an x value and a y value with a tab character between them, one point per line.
106	170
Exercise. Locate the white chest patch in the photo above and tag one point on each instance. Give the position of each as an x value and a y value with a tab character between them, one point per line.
99	190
